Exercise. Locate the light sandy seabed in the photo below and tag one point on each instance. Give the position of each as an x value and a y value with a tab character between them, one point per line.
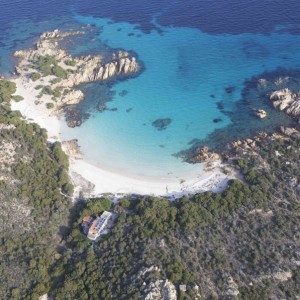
107	181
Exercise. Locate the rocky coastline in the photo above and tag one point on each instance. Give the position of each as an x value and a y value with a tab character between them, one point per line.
281	93
56	74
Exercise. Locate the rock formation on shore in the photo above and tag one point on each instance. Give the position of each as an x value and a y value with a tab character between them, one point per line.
56	73
203	155
287	101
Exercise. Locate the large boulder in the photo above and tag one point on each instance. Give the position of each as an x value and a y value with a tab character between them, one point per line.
282	99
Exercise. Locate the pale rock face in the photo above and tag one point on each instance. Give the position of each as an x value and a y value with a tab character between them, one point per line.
73	97
280	276
294	109
285	100
232	288
260	113
203	154
282	99
289	131
161	290
71	148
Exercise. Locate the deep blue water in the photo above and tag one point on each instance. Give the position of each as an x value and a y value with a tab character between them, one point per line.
193	53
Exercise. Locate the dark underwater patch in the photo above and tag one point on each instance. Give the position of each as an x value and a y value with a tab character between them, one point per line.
254	50
217	120
229	89
123	93
161	124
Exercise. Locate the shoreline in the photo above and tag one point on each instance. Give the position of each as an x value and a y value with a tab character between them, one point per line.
93	180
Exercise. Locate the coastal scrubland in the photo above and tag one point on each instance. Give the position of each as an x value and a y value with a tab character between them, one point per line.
35	201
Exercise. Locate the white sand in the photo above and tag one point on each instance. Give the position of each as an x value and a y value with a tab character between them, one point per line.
35	113
106	181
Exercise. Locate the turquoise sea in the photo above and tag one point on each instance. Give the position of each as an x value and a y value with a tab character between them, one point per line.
194	74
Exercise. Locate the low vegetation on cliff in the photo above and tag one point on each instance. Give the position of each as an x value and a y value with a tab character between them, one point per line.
34	203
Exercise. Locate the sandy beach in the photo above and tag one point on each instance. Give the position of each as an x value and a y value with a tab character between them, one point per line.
93	180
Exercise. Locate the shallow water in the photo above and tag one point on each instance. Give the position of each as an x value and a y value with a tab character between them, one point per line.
187	72
196	56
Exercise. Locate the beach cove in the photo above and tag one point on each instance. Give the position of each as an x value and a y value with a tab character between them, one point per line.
107	181
43	103
122	152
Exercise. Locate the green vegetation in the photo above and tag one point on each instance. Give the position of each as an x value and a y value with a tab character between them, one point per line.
34	205
38	87
70	62
49	105
17	98
49	66
35	76
7	88
55	80
47	90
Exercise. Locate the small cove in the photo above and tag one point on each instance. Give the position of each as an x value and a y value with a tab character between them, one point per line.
188	73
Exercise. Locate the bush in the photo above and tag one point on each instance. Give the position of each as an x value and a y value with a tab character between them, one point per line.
7	88
55	80
35	76
68	189
17	98
48	66
59	72
70	62
49	105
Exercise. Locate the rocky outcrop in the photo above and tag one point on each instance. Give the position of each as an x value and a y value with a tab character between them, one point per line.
287	101
91	69
288	131
282	99
232	288
64	72
86	68
72	97
243	144
162	290
260	113
204	155
72	148
47	45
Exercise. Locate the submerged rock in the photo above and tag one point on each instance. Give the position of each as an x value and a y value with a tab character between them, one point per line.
123	93
229	89
161	124
101	107
75	117
217	120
